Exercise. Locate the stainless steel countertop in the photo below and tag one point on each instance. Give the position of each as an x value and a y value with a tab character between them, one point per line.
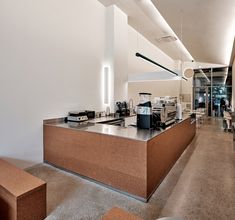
108	118
129	132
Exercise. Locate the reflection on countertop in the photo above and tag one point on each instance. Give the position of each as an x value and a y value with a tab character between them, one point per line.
129	131
108	118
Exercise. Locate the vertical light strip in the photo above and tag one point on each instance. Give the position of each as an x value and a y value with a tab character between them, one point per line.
225	75
106	85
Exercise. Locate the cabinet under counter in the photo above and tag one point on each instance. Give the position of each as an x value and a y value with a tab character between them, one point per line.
127	159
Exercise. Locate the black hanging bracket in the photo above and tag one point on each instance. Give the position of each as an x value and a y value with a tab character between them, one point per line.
163	67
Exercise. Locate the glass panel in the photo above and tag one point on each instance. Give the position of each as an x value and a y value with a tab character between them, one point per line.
220	76
200	97
202	77
221	96
213	87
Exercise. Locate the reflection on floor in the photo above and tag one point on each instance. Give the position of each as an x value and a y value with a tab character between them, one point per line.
201	185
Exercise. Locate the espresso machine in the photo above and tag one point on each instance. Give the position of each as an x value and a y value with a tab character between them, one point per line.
144	111
164	111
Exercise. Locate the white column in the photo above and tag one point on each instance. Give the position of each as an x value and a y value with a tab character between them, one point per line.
116	56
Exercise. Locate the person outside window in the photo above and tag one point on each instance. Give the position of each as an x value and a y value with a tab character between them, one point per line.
227	117
222	107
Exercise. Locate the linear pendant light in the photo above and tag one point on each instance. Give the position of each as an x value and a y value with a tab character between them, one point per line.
157	64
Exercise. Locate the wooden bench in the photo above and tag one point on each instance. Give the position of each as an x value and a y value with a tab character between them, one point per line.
119	214
22	196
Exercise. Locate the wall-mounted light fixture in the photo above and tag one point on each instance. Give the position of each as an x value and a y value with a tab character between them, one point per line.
163	67
189	72
106	85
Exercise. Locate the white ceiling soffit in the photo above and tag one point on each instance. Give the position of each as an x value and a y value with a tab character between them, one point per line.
144	23
167	34
208	27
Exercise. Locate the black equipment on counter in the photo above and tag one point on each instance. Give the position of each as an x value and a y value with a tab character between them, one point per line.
144	111
122	109
90	114
79	116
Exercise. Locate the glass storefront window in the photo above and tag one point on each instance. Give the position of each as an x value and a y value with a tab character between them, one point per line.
212	87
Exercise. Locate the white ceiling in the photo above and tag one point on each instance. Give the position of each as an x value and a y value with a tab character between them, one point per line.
206	27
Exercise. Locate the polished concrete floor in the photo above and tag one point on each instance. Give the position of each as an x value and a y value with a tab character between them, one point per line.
201	185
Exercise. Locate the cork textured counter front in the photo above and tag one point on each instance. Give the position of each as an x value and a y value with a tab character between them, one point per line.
127	159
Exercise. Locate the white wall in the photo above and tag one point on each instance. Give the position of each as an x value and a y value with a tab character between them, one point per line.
156	88
120	55
51	56
116	53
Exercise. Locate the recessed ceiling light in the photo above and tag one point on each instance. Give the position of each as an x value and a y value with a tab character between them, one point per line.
166	39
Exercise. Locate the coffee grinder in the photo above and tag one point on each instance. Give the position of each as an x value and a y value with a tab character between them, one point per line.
144	111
